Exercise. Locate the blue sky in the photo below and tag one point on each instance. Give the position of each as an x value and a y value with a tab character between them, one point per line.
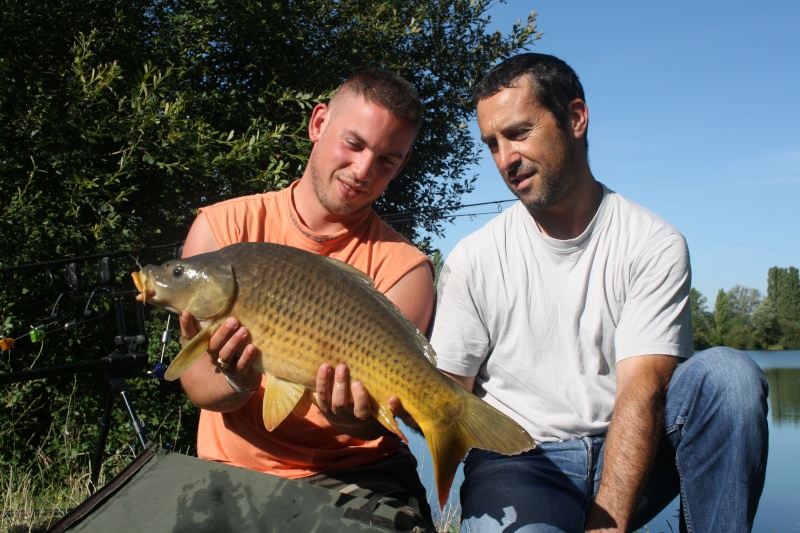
693	114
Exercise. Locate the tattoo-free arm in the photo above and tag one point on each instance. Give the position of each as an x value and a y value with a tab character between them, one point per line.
637	424
203	382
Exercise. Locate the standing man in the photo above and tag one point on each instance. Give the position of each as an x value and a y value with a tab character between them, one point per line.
362	140
570	313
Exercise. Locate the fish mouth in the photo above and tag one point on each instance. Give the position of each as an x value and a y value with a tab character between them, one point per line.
140	281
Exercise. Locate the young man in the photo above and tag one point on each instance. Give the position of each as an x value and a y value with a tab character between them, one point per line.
362	139
570	312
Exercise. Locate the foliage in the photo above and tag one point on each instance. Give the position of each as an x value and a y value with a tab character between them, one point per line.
790	334
743	319
783	288
701	319
765	322
118	120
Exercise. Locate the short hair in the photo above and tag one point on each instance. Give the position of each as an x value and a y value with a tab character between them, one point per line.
388	90
555	84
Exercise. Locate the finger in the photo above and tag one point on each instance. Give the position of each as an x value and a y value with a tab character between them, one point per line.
188	325
396	406
242	371
226	342
362	407
244	363
324	387
340	398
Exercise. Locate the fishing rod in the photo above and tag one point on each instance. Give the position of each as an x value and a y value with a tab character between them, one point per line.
128	360
94	257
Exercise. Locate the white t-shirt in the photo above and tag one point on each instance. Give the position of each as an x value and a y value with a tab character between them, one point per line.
542	322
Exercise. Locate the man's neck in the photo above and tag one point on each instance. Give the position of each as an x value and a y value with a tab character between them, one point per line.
571	218
315	216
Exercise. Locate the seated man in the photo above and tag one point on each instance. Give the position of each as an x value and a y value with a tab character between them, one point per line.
570	313
362	139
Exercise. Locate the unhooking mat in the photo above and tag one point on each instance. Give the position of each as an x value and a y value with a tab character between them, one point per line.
168	492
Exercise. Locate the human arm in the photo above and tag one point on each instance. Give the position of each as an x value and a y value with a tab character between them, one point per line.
204	382
636	426
468	382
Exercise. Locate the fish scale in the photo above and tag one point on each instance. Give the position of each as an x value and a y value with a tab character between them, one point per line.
302	310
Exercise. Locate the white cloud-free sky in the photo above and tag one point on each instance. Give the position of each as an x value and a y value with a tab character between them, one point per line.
693	114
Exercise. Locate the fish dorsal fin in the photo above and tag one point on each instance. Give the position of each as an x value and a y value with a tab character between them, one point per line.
280	398
190	353
356	273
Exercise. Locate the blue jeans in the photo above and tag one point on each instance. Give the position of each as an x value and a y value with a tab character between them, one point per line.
714	454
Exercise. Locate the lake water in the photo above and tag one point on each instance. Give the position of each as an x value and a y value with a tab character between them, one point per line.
779	510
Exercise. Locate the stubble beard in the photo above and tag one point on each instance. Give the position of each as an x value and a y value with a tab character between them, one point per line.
335	205
555	186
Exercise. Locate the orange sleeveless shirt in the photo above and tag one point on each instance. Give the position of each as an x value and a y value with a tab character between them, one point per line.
300	446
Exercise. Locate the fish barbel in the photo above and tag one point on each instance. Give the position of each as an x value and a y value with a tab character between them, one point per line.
302	310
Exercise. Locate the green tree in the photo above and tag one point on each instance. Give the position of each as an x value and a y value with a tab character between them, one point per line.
790	334
783	288
743	302
119	119
701	319
765	322
722	318
783	291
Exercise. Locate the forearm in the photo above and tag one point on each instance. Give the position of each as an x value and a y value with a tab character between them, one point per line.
207	388
636	427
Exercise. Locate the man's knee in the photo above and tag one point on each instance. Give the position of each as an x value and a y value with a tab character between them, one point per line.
732	378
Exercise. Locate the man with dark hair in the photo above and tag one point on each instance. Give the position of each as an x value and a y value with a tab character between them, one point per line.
570	312
362	139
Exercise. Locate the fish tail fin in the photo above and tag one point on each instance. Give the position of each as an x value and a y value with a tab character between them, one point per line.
481	426
191	352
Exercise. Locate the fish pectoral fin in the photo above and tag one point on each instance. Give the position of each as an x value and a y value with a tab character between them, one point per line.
280	398
305	403
191	352
387	420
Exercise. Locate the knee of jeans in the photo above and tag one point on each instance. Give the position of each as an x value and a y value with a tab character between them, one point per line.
733	375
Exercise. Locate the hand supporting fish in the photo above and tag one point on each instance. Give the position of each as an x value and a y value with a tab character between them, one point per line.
345	405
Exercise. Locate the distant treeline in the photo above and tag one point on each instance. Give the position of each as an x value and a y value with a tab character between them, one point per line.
742	318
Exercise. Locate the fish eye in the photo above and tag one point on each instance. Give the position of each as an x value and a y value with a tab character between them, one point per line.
177	271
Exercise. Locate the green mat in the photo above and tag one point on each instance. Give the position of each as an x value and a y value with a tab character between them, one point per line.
163	491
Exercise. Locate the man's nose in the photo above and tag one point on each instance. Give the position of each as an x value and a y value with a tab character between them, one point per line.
506	157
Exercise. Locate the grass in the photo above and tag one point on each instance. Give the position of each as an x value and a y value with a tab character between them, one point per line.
32	504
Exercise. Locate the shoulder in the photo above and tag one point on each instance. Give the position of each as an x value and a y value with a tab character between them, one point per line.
644	232
245	218
383	253
388	242
637	217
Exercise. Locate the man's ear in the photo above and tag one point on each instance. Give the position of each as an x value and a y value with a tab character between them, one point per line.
579	117
319	121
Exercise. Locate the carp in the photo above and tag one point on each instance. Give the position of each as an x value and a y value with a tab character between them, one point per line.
304	309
